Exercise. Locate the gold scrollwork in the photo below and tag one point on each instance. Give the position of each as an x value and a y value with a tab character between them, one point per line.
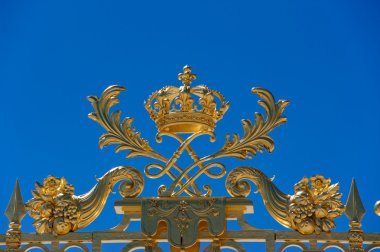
312	209
255	138
124	136
57	210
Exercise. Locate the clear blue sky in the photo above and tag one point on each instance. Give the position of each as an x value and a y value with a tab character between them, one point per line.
323	56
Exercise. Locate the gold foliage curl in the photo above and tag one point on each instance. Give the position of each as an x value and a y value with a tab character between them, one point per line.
312	209
122	134
255	138
57	210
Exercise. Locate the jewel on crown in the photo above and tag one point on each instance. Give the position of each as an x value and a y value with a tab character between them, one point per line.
186	109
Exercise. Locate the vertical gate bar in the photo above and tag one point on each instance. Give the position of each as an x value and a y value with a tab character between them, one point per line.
270	242
313	246
96	243
54	246
215	245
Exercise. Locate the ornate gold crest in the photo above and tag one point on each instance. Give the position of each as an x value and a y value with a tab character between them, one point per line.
184	213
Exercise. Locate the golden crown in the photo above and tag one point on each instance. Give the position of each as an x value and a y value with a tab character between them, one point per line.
174	109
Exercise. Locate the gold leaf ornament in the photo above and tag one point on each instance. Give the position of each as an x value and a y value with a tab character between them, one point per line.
122	134
255	138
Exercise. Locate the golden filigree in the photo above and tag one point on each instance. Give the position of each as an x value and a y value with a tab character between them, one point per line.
186	222
124	136
255	139
312	209
163	191
57	210
175	111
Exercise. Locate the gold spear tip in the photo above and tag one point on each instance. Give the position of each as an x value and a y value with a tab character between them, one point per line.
354	206
16	207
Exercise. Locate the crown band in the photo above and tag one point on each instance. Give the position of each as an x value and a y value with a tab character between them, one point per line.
185	122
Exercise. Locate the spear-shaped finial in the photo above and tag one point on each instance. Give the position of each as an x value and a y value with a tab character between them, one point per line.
354	206
15	212
16	207
355	212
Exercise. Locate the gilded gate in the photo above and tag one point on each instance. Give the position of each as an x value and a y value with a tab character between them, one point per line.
184	213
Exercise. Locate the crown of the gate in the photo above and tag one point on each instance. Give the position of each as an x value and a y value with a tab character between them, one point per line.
186	109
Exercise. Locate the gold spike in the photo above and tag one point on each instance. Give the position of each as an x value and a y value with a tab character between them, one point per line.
16	207
354	206
15	212
355	212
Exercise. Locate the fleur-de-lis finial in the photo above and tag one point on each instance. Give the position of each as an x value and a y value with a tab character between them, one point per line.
186	77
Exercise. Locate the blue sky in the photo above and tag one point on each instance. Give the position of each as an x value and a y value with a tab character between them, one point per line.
323	56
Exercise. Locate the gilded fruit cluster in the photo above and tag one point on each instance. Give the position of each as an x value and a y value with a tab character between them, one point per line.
54	207
315	205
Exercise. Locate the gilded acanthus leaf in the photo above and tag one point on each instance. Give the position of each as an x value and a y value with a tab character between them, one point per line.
255	138
122	134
